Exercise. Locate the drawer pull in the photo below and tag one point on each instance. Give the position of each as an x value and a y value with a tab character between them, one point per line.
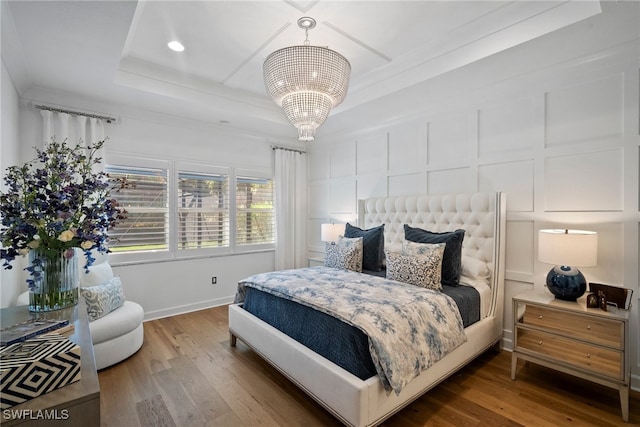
588	355
588	327
540	316
540	342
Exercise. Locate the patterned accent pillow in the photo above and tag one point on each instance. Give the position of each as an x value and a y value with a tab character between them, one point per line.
372	245
345	254
103	299
423	270
420	249
452	259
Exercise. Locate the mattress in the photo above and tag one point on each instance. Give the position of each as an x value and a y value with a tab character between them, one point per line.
343	344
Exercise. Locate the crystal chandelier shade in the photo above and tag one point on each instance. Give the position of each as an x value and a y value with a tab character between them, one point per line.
306	81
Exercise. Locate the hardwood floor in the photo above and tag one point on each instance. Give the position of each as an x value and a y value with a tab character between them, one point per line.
186	374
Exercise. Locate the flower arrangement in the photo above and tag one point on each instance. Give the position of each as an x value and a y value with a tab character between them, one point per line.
57	202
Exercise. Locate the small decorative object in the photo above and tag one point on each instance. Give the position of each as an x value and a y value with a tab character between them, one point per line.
53	207
592	301
29	329
603	301
37	366
567	248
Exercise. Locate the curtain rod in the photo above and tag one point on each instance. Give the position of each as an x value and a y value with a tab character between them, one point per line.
295	150
76	113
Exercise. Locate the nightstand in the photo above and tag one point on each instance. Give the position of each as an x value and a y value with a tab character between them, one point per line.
569	337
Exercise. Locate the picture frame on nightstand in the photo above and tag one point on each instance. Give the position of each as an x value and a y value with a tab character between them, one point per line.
616	296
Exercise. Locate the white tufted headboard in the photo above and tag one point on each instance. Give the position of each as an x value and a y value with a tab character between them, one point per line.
481	215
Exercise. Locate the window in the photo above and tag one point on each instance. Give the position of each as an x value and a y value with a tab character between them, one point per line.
255	213
146	201
179	209
203	210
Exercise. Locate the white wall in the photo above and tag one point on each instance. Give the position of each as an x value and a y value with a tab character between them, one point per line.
553	123
174	286
8	157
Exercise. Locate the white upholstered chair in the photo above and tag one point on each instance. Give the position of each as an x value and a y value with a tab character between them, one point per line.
116	335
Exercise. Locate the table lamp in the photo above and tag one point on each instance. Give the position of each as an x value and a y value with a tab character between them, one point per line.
331	232
567	249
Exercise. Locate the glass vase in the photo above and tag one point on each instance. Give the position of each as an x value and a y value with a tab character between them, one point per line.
55	279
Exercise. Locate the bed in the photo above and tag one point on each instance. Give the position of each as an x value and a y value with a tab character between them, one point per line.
364	399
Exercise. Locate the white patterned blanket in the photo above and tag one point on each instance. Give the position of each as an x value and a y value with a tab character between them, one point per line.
409	327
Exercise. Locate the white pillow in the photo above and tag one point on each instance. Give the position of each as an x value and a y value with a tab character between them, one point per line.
473	268
474	282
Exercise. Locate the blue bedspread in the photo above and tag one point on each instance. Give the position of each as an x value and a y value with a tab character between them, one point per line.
409	328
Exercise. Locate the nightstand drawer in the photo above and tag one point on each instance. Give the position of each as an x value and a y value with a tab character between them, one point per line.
584	327
594	358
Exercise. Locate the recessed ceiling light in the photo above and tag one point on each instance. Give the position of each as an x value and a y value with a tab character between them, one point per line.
175	45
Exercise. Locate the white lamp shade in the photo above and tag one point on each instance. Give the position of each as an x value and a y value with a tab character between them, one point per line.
331	232
568	247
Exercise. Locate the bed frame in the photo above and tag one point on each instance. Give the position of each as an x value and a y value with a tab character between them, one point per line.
359	402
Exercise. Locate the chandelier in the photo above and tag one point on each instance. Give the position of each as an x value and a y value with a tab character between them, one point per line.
306	81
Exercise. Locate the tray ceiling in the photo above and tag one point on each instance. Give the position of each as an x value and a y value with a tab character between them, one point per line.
116	51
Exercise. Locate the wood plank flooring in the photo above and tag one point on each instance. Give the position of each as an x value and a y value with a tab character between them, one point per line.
187	374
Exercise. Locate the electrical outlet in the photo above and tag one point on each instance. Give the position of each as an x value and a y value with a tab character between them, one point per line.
214	280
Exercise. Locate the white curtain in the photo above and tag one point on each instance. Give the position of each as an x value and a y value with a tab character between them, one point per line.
291	209
76	129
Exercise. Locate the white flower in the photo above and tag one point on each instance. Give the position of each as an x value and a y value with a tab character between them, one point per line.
86	245
66	236
23	251
34	244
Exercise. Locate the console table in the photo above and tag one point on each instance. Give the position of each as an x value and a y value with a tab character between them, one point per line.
78	403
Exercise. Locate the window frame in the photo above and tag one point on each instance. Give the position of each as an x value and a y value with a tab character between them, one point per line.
143	162
202	169
251	247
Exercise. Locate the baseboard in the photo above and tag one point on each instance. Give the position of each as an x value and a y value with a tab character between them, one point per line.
187	308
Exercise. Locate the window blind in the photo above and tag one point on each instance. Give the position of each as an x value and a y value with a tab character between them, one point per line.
203	210
146	200
255	212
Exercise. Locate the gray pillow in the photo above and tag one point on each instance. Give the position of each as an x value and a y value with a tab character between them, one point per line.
345	254
452	259
103	299
372	245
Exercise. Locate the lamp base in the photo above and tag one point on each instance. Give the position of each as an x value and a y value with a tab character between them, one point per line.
566	283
